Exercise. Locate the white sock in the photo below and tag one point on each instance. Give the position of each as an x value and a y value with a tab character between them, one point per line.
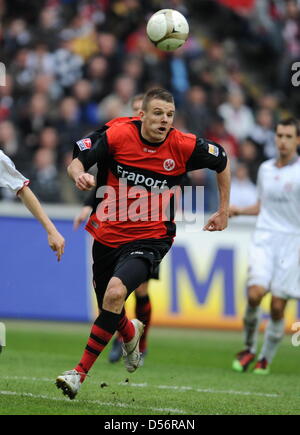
273	335
251	326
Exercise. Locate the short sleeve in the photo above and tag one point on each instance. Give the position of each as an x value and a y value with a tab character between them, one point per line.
207	154
98	154
10	177
88	142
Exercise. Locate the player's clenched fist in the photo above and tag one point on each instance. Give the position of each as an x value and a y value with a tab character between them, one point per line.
85	181
217	222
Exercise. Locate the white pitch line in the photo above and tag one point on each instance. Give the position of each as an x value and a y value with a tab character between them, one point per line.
212	391
92	402
240	393
160	387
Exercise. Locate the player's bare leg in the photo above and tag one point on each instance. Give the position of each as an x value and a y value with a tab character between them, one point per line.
106	324
251	326
116	352
143	314
114	301
273	335
252	316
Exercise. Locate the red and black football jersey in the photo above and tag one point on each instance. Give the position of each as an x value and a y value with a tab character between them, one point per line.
135	177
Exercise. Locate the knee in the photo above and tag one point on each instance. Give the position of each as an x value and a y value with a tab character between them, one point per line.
276	313
255	295
115	292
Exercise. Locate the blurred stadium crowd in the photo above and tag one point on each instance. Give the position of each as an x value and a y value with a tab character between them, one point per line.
72	65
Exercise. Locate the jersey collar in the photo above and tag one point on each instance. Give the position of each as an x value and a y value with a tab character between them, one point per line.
290	162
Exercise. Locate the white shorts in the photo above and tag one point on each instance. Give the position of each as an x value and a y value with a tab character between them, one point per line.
274	263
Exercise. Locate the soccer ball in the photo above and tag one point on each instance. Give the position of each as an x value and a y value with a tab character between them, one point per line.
168	29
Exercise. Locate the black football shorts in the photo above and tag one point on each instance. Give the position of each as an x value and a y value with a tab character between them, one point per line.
133	263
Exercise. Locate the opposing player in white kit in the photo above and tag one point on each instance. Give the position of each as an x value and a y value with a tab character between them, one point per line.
274	260
17	183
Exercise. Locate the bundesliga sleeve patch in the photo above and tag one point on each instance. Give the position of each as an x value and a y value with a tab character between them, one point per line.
84	144
213	149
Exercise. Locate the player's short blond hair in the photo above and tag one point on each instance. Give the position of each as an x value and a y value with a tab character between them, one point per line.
157	94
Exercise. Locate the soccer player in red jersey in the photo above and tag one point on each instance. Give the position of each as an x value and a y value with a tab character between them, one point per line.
144	157
143	308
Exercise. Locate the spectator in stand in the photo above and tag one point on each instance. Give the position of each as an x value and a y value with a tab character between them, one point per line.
291	37
179	122
217	132
212	68
239	120
9	139
179	76
69	129
88	116
108	47
47	85
83	35
267	23
44	178
251	156
49	139
195	111
124	90
112	109
263	133
243	190
155	61
34	119
23	78
68	66
67	125
133	67
291	50
124	17
271	102
16	36
48	27
40	61
12	146
98	75
235	80
6	99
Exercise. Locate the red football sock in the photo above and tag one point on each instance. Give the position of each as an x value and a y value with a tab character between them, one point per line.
101	333
143	313
126	328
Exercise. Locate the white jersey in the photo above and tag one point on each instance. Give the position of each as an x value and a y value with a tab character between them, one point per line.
279	195
9	176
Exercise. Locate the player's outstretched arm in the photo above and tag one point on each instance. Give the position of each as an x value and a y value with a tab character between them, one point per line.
252	210
82	216
55	239
82	179
219	220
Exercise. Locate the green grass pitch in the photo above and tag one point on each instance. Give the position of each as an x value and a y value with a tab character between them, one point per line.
185	372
